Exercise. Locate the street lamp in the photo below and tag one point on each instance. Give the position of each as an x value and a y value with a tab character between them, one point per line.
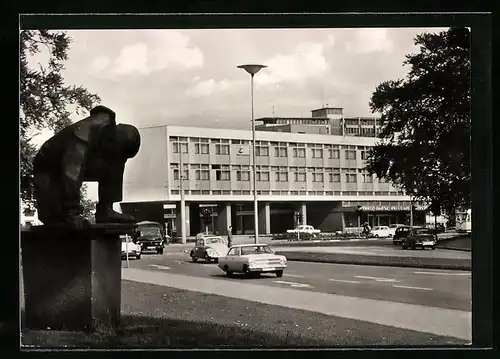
252	69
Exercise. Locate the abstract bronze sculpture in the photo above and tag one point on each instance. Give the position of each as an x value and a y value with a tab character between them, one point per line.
93	149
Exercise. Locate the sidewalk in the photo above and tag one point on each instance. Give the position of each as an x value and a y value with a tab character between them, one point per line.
439	321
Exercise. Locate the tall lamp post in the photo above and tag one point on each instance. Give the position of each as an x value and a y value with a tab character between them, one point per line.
252	69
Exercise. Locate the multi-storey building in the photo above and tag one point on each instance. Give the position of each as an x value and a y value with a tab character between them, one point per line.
320	176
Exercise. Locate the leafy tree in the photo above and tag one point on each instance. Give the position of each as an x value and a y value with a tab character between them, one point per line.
425	124
45	98
88	206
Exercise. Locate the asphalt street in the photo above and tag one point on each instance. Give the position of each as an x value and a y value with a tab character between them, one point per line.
433	288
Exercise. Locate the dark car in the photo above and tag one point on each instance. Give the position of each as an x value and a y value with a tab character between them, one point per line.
420	238
150	236
400	233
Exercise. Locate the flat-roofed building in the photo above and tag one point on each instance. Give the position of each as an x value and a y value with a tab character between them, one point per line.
321	177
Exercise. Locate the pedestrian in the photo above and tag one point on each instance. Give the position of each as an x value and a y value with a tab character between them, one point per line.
229	236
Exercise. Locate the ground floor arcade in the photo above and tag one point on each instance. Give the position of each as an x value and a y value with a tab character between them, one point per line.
273	217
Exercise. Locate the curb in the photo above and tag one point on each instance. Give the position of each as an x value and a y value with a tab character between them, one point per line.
404	262
455	249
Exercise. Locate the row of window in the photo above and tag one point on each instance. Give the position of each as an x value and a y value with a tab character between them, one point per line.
280	176
293	193
263	151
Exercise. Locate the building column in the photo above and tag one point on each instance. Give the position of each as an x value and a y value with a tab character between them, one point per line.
223	218
303	211
181	218
342	221
265	218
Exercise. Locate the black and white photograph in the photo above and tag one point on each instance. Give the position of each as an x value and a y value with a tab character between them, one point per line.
246	188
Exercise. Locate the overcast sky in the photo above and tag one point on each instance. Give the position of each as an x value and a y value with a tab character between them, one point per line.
189	77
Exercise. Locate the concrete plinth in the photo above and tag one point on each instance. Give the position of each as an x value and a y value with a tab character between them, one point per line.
72	278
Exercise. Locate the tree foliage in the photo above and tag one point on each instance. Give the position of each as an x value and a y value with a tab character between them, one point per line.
45	98
88	206
425	123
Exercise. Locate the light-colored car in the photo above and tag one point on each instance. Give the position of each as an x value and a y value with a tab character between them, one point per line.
381	232
304	228
252	258
128	246
209	248
393	227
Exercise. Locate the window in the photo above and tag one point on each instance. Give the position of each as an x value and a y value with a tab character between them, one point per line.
262	151
317	153
281	150
350	154
221	149
350	177
364	155
243	175
262	176
334	177
335	154
201	148
179	144
367	178
222	172
300	176
317	177
176	172
281	175
299	152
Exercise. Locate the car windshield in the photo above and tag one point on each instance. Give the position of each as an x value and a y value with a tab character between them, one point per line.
126	239
376	228
150	231
393	226
213	240
256	250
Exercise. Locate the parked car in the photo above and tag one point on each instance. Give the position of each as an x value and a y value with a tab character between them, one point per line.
209	248
252	258
304	231
400	233
420	238
151	236
380	232
393	227
128	246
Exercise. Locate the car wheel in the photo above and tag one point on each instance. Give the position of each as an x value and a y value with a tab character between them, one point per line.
138	256
207	258
279	273
433	247
193	258
376	236
245	270
159	251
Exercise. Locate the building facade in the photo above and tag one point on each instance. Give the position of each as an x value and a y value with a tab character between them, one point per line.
320	176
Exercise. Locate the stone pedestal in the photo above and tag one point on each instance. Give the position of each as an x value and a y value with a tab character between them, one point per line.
72	278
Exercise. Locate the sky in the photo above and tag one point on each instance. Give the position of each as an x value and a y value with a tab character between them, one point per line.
190	77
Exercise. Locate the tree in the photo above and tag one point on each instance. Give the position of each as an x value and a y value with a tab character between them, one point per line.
425	130
45	99
88	206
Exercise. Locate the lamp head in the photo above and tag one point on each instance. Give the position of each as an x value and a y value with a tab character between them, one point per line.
252	69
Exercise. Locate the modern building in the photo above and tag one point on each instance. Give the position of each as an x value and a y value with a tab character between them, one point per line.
318	175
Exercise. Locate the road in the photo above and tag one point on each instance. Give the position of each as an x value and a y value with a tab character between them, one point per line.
434	288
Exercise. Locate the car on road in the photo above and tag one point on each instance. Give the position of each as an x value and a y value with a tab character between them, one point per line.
209	248
400	233
128	246
420	238
151	236
252	259
380	232
394	227
304	229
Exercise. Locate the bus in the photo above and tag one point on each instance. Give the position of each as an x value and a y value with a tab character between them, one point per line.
463	221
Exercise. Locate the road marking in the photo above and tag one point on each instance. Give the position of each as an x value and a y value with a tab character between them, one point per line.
345	281
158	266
295	285
408	287
377	279
443	273
293	275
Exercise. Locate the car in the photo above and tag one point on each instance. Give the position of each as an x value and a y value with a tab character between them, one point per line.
394	227
420	238
209	248
128	246
252	259
400	233
150	236
380	232
304	229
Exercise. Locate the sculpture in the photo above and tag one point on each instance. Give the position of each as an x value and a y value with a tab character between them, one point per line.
93	149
